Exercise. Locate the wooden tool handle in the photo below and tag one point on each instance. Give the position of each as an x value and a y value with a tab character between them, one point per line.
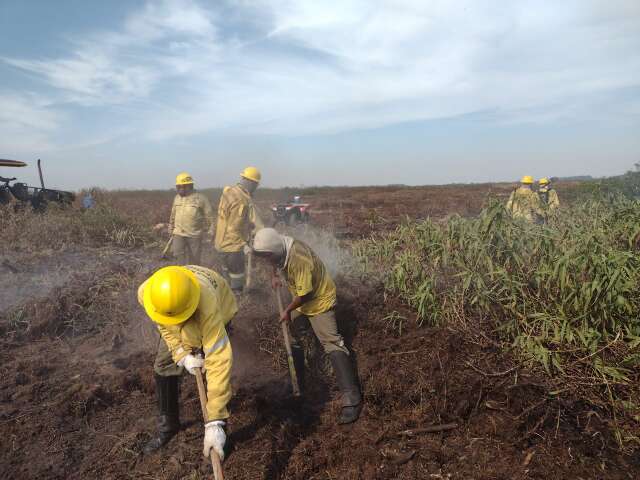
167	246
287	345
202	393
249	270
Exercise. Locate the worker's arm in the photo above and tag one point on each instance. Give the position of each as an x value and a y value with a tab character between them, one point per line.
303	281
254	218
174	342
554	201
217	365
172	217
208	215
510	202
296	303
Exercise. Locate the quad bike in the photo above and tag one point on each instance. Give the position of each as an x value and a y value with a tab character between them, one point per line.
292	213
37	197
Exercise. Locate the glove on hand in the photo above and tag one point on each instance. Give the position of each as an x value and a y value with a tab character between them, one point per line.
214	437
247	249
191	362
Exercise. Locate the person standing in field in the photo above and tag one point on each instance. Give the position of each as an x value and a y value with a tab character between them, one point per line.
314	299
191	214
548	195
191	306
237	220
524	203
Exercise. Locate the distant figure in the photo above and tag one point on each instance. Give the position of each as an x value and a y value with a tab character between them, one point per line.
548	195
297	200
88	202
524	202
237	220
190	215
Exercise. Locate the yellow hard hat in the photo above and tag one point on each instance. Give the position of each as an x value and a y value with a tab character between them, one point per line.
184	179
251	173
527	180
171	295
543	181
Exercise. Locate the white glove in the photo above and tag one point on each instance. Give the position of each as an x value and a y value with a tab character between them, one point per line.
214	437
247	249
191	362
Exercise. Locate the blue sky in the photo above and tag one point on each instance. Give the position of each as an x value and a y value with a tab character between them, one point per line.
125	94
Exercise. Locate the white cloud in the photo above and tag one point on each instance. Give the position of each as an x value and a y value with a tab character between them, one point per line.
26	123
183	67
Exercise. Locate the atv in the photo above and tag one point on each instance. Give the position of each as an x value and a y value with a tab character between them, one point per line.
292	213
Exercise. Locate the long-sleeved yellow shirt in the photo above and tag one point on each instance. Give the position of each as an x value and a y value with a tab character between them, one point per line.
525	203
191	216
205	330
237	219
305	273
549	198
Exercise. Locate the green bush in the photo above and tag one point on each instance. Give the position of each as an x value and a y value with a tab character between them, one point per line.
565	295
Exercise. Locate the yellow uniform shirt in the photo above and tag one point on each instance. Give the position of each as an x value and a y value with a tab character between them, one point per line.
191	215
305	273
525	203
237	219
205	330
549	198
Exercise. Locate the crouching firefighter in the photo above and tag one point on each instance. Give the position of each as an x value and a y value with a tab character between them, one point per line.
237	220
191	305
314	299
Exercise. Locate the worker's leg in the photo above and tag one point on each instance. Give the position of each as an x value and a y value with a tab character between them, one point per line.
234	264
180	251
195	250
326	329
167	376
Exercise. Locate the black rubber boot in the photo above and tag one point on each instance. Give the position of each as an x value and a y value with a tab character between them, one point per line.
168	412
348	385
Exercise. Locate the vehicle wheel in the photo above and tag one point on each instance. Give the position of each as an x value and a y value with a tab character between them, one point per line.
294	219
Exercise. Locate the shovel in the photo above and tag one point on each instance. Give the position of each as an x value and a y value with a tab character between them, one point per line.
287	346
202	393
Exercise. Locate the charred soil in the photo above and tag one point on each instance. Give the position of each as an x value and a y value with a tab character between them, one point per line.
77	395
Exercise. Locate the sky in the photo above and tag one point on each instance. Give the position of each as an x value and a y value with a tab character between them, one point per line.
128	93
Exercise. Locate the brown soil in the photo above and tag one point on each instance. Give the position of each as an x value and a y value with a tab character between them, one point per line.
77	395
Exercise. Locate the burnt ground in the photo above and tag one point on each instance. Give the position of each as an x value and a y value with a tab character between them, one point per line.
77	394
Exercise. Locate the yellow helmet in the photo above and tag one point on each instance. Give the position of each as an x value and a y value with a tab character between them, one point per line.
527	180
171	295
184	179
543	181
251	173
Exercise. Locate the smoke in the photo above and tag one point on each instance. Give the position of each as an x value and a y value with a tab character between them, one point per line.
336	259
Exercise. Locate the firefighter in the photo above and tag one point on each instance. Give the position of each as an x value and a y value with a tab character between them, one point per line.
548	195
191	213
524	202
314	299
191	305
237	220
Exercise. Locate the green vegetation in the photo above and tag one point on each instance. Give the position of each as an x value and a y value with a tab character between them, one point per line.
565	296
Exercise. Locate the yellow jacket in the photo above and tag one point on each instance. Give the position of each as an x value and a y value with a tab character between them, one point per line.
237	219
190	215
206	330
549	198
305	273
525	203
